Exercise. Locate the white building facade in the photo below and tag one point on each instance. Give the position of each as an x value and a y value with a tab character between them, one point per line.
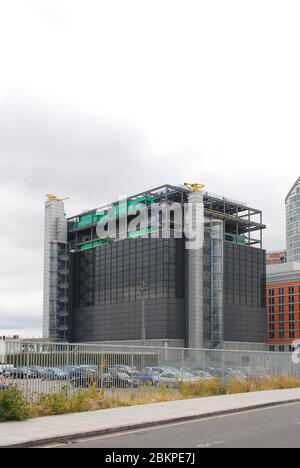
292	204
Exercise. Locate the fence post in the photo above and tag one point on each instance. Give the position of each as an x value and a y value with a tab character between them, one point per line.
68	355
27	372
223	365
132	358
5	354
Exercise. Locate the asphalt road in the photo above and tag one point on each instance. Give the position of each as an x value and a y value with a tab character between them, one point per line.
277	427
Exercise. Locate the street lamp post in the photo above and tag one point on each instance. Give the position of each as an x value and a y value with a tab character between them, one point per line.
143	289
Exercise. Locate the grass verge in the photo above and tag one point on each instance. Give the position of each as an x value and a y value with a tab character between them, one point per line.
13	406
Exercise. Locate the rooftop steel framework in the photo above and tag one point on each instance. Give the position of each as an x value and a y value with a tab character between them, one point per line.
239	219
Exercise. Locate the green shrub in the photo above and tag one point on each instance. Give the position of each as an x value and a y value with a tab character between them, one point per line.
52	404
13	406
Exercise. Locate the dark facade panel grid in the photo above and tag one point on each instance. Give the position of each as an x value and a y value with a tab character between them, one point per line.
108	307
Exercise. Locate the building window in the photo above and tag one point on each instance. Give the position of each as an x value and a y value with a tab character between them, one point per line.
291	308
281	348
291	291
281	321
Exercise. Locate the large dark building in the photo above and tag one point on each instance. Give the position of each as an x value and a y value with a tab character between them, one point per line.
200	290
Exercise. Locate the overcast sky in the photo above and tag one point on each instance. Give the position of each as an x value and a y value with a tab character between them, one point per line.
106	97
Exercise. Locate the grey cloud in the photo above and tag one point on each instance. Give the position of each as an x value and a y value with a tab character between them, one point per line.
64	152
10	321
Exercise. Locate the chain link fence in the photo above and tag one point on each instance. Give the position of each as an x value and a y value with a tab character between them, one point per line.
43	368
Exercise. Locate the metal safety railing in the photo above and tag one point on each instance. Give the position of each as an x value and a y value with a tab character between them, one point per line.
43	368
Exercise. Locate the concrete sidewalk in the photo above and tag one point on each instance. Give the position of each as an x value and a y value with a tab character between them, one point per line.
67	427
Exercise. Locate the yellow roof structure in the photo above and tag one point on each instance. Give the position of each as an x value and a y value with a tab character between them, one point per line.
197	187
55	198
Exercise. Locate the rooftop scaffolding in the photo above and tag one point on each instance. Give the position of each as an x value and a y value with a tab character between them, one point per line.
239	219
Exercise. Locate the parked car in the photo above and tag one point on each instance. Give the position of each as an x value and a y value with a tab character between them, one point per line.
72	371
173	379
147	376
54	374
123	380
201	375
89	368
19	373
84	378
162	369
122	368
37	372
5	368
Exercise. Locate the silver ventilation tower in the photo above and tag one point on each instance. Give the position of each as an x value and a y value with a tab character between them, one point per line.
195	245
55	309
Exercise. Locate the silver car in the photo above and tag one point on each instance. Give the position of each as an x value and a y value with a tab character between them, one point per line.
173	379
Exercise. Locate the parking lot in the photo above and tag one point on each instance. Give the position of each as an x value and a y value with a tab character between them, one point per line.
36	380
42	368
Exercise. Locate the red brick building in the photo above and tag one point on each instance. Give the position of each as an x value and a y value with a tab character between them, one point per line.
276	257
283	312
